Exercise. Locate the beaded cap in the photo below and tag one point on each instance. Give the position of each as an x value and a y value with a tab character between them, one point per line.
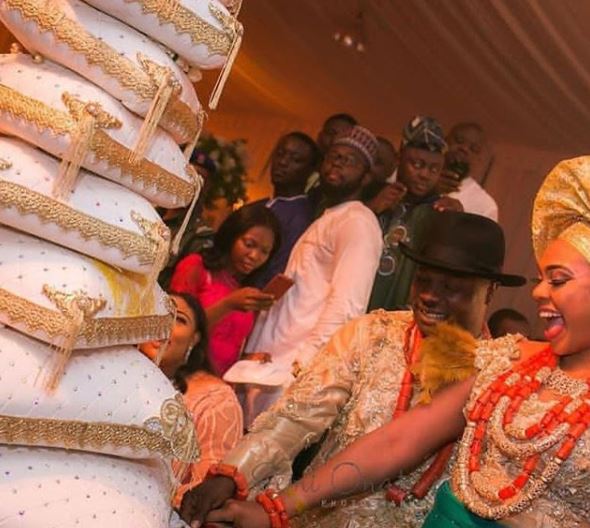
361	139
424	133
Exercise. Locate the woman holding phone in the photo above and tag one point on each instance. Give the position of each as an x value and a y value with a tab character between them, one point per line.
243	243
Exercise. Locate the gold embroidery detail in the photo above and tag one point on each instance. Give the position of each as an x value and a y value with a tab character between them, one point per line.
77	307
47	210
171	435
95	332
159	235
179	116
158	73
176	424
78	108
234	6
200	32
106	149
69	304
5	164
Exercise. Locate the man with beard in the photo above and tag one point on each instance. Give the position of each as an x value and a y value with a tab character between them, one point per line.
334	126
332	266
363	379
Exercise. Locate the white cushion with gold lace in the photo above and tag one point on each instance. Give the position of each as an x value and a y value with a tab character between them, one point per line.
100	218
61	297
56	488
66	115
123	62
200	31
111	400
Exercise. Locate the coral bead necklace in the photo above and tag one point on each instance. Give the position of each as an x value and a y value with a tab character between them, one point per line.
395	493
489	422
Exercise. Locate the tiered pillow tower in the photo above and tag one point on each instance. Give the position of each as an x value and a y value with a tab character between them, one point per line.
97	122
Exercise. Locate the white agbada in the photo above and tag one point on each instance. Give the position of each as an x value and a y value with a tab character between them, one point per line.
333	265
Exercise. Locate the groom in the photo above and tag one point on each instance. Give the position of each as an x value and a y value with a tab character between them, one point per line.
355	384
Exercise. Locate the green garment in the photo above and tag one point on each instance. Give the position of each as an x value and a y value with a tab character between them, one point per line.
392	291
448	512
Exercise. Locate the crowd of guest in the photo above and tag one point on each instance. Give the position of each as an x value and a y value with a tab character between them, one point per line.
341	210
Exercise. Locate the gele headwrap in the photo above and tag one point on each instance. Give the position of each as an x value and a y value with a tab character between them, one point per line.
562	207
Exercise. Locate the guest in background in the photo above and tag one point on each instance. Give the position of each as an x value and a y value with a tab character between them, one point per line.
293	160
333	127
508	321
336	125
332	266
385	165
198	234
243	243
466	142
215	410
405	207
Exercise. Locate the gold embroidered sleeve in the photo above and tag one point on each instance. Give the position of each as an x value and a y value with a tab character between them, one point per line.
308	407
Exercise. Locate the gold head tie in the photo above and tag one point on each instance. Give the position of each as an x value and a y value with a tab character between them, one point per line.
562	207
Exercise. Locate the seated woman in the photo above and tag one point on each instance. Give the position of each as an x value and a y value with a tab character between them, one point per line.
212	403
523	457
243	243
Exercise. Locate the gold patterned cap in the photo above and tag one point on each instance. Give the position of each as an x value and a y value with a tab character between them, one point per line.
562	207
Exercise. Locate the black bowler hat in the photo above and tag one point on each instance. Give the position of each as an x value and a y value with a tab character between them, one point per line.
463	243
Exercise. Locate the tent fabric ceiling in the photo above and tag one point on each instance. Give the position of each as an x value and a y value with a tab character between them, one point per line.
521	68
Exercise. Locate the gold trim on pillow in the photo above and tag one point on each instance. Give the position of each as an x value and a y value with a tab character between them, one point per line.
94	332
47	210
143	80
233	6
105	148
219	42
172	435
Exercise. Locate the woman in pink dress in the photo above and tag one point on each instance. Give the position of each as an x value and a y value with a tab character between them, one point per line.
243	243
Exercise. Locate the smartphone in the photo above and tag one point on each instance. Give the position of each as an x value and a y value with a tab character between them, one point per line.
278	286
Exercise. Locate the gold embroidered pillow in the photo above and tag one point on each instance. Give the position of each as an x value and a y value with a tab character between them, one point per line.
42	488
73	301
112	401
66	115
100	218
233	6
123	62
200	31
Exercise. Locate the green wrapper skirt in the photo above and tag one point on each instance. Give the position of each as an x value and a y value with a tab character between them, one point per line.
448	512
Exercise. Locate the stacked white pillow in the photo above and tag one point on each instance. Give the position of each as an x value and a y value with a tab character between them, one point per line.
114	56
200	31
49	118
79	254
101	219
